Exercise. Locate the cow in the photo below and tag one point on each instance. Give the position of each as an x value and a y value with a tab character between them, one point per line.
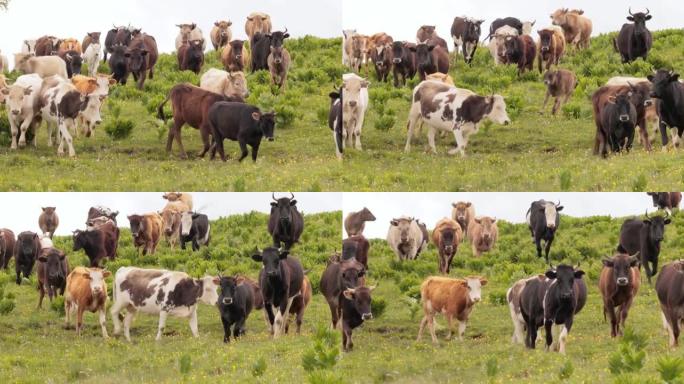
441	77
52	271
513	298
281	281
466	34
426	32
666	200
554	300
160	292
239	122
142	56
644	236
260	45
335	121
512	22
520	50
347	46
100	211
44	66
234	56
257	22
90	38
235	302
118	63
26	251
615	116
619	283
483	233
446	108
22	104
446	236
99	243
116	36
669	290
356	246
497	44
278	66
189	32
634	40
551	47
381	55
47	45
430	59
69	44
455	298
171	221
184	197
73	61
92	58
426	237
229	84
48	221
355	222
221	34
670	94
194	227
358	49
190	105
86	290
560	84
405	238
7	241
543	220
640	98
355	103
285	222
463	212
576	27
336	278
299	305
146	230
403	62
191	56
356	308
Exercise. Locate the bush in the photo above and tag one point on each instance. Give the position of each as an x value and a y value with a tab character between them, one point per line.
385	122
119	129
670	369
324	353
378	306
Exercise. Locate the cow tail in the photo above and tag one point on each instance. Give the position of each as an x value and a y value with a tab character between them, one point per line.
615	45
160	109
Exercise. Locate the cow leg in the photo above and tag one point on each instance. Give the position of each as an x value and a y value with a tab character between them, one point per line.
162	324
114	312
431	139
610	310
548	324
255	151
22	128
41	291
556	106
414	115
448	263
423	321
643	134
668	323
647	268
151	73
239	328
243	149
663	133
531	334
655	265
546	100
300	317
270	317
547	249
461	141
204	134
14	131
218	146
431	325
624	311
195	245
103	322
193	323
128	319
66	137
67	313
79	319
450	322
461	328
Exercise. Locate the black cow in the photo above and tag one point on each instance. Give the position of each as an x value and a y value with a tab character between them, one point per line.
466	34
543	220
335	121
261	48
430	59
191	56
116	36
337	277
26	251
634	40
239	122
618	121
644	236
510	21
280	281
277	38
235	302
52	271
666	200
522	51
554	300
403	62
670	92
98	243
118	63
73	60
356	307
194	227
285	223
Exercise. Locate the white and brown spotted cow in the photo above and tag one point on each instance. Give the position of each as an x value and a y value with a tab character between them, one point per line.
446	108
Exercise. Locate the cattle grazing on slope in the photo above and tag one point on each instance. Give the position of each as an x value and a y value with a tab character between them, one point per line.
666	200
403	62
551	47
560	84
191	56
670	92
26	251
522	51
239	122
336	278
463	212
644	237
356	308
483	234
466	34
347	46
335	121
634	40
446	236
221	34
189	32
7	241
160	292
405	238
52	271
146	230
358	49
670	290
118	63
430	59
194	227
455	298
235	303
86	290
619	283
543	220
99	243
48	221
285	222
355	222
576	27
355	102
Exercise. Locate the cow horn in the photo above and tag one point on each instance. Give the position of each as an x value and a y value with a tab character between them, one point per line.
273	196
647	11
630	11
558	205
667	214
291	195
285	31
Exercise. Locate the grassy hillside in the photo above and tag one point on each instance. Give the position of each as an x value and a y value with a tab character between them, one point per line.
301	158
385	348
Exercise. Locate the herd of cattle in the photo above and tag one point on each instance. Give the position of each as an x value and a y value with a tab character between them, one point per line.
619	107
53	89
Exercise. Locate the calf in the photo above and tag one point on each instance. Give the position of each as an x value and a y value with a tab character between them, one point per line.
191	56
142	56
358	49
47	46
644	237
22	101
220	34
160	292
86	290
404	237
382	60
463	212
355	222
52	271
146	231
26	251
357	247
619	283
234	56
281	281
48	221
670	92
560	83
98	243
455	298
356	308
670	290
521	50
543	221
430	59
194	227
347	46
666	200
446	236
338	277
355	103
7	241
466	34
235	302
483	233
92	58
239	122
551	47
403	62
278	65
230	84
335	121
634	40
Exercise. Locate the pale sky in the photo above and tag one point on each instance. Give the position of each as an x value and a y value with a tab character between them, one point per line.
20	210
430	207
30	19
402	22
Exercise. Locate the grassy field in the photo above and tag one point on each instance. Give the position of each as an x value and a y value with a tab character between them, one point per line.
35	347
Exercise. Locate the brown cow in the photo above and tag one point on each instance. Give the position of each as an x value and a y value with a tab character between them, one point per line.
142	55
7	241
70	44
520	50
90	38
52	271
86	289
560	83
357	247
100	241
670	290
190	105
355	222
146	231
619	284
664	200
257	22
428	34
464	213
576	27
453	298
48	221
220	34
551	47
278	65
483	233
446	236
190	56
171	220
358	51
234	56
299	304
47	46
337	277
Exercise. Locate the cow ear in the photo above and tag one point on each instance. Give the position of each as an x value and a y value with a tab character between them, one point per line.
230	23
216	280
608	263
630	18
106	273
478	220
42	259
634	260
611	99
361	273
647	221
5	91
551	274
493	220
453	205
283	255
394	222
483	281
648	17
668	221
27	91
293	202
650	78
286	35
349	293
274	204
193	26
430	48
365	84
257	257
43	208
559	208
468	204
579	273
216	23
256	116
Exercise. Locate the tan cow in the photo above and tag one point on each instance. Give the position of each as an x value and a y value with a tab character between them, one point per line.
441	77
347	35
231	84
559	84
70	44
446	236
146	230
48	221
355	99
576	27
483	233
405	238
257	22
3	85
463	212
86	290
189	32
235	56
278	66
221	34
44	66
358	51
171	220
454	298
179	196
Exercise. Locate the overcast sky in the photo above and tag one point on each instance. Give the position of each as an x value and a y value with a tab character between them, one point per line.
430	207
20	210
73	18
402	22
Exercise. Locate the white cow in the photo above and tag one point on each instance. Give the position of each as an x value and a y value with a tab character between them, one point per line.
20	100
189	32
355	99
44	66
496	43
347	46
404	237
92	57
225	83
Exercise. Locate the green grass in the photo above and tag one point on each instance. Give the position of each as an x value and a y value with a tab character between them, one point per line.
35	348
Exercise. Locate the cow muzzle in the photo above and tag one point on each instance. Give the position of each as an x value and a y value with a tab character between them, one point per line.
168	231
272	273
15	112
648	103
551	226
352	103
622	281
227	300
366	316
566	295
380	64
396	61
277	61
624	118
544	49
449	249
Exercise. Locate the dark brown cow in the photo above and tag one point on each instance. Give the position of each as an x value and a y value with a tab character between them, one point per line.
430	59
356	308
278	66
191	56
664	200
403	62
142	55
234	56
336	278
7	241
551	47
522	51
190	105
355	222
47	46
26	251
52	271
560	84
98	243
356	246
446	236
428	34
619	283
670	290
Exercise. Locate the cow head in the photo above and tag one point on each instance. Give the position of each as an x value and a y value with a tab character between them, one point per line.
172	196
138	225
186	222
80	239
28	242
662	81
545	40
497	110
96	278
366	215
403	225
559	17
171	219
271	258
223	27
382	56
137	59
398	52
186	29
94	37
473	29
351	94
447	235
53	260
361	299
266	123
14	97
474	285
195	51
551	213
488	225
49	211
229	289
656	226
622	265
74	61
277	54
278	37
236	49
282	209
639	20
209	286
351	273
423	54
460	212
623	108
565	276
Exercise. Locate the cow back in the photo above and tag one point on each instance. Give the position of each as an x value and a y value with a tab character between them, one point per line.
443	294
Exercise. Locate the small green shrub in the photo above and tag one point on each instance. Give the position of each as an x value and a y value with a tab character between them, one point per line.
385	122
259	367
119	129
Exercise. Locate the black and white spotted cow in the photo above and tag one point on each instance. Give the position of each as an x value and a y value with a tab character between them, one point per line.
195	228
